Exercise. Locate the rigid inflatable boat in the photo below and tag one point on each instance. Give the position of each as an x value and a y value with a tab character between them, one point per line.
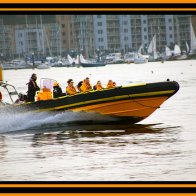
134	102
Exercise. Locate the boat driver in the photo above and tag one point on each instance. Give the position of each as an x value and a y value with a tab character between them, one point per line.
32	88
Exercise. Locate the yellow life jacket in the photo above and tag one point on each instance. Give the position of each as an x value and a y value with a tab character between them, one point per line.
45	94
85	88
99	87
71	90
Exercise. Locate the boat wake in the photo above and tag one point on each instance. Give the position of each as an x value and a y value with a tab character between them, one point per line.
39	122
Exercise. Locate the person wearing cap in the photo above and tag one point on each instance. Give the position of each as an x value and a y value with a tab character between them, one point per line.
32	88
57	91
70	89
86	86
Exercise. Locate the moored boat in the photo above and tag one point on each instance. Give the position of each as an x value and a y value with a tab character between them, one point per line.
133	103
90	63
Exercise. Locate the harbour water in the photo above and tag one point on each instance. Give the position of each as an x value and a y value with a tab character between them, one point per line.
71	146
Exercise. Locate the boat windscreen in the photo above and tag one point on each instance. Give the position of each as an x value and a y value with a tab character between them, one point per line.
47	83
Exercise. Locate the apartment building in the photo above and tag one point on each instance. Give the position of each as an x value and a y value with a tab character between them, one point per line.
26	35
128	32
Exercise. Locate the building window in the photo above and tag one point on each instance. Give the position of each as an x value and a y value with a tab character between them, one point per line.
170	36
99	24
170	28
125	30
100	39
63	25
126	38
125	22
100	32
144	21
170	20
144	29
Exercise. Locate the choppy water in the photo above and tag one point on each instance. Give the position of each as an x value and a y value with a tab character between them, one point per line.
78	147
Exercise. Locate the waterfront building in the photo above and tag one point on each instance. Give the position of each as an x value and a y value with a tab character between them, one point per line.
58	35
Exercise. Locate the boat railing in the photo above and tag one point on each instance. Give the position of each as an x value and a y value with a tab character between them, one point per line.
11	90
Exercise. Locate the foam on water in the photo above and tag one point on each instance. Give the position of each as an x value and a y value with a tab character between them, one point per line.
23	121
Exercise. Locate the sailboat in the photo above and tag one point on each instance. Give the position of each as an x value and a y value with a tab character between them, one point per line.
178	54
90	63
192	52
73	61
152	51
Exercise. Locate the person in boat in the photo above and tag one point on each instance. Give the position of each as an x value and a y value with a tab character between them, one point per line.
57	91
70	89
98	86
44	94
86	85
32	88
110	84
21	98
114	84
79	86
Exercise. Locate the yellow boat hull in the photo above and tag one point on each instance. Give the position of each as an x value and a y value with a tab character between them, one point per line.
133	109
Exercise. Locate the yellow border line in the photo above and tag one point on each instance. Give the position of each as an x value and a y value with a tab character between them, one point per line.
98	9
100	185
99	1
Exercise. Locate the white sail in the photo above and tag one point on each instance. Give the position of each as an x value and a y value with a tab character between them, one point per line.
167	51
177	50
70	59
193	39
152	45
82	60
187	48
77	60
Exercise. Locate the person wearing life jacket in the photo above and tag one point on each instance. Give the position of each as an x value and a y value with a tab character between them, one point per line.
86	85
98	86
70	89
79	86
21	98
44	94
110	84
32	88
57	91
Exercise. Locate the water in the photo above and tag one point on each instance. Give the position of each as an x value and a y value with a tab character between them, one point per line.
71	146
